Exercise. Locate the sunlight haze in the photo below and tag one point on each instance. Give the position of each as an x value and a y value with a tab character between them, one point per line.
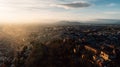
21	11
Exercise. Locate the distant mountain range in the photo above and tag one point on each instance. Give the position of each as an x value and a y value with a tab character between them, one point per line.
105	21
97	21
68	23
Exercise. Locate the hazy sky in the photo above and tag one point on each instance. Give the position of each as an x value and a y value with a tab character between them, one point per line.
50	10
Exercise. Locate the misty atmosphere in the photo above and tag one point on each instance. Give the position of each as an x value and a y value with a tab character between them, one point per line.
60	45
59	33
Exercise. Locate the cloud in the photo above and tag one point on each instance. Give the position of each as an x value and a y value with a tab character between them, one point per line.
25	4
111	4
111	13
78	4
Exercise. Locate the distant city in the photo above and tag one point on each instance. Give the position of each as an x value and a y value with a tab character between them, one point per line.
60	46
59	33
